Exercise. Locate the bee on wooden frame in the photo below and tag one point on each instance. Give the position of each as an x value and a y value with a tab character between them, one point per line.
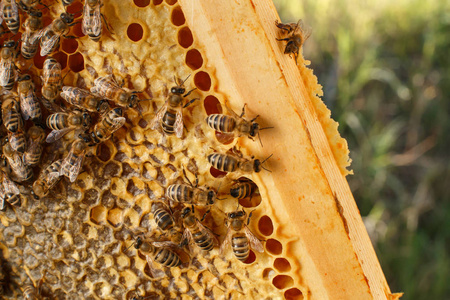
235	162
239	236
297	33
170	116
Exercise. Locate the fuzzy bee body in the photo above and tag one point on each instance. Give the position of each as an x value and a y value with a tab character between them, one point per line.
108	89
92	22
63	123
30	38
52	82
84	99
108	124
11	112
240	237
48	178
17	141
9	192
234	124
7	66
21	171
187	194
195	232
36	137
232	163
164	220
10	12
242	189
162	255
29	104
297	35
71	164
51	35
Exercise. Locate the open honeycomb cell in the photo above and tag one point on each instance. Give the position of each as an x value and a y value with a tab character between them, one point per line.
80	237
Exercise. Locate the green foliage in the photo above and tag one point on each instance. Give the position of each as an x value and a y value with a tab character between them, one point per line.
385	69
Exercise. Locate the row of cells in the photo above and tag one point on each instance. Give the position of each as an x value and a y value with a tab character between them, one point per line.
202	81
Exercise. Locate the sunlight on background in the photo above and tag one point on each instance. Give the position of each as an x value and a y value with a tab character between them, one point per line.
385	70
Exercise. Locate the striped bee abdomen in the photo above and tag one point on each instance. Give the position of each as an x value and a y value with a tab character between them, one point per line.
241	248
167	257
223	162
221	122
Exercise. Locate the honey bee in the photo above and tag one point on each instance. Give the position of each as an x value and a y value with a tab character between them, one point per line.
21	171
108	124
92	23
164	220
10	13
242	189
240	236
107	88
233	163
29	104
195	232
84	99
170	116
234	124
52	82
63	123
17	141
30	38
33	292
7	66
51	35
48	178
71	164
11	112
190	194
159	252
298	34
36	136
8	189
29	5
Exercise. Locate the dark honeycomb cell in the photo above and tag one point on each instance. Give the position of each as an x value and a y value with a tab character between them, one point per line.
171	2
108	199
141	3
282	281
217	173
69	45
76	62
103	152
157	2
282	264
251	257
293	294
202	81
185	38
274	247
61	57
90	198
177	16
76	30
135	32
265	225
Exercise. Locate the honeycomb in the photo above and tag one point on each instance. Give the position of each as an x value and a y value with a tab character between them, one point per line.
79	237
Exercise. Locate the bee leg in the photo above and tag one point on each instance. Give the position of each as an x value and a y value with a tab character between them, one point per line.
70	36
188	93
286	39
204	215
106	23
243	110
190	102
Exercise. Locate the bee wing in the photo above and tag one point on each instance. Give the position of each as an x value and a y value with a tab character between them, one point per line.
187	235
226	242
117	124
86	22
156	273
48	45
9	187
5	71
91	21
159	115
57	134
71	171
26	103
179	123
255	243
165	244
54	68
208	232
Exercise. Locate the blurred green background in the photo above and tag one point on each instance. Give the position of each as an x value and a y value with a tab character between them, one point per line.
385	70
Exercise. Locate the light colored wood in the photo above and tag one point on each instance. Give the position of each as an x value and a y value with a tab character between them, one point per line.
337	258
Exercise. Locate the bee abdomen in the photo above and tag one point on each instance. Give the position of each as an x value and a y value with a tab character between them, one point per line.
163	219
221	123
180	193
203	241
13	199
168	122
57	121
168	258
242	190
10	84
240	247
223	162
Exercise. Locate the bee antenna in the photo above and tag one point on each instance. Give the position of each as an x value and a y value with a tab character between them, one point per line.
259	137
185	79
266	128
267	158
254	118
130	246
188	93
264	161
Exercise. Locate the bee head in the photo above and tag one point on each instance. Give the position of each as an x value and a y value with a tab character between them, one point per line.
138	242
236	214
118	111
257	165
211	197
24	77
34	13
254	129
185	212
9	44
86	120
66	18
178	90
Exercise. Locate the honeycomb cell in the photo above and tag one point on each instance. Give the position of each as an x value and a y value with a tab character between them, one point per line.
282	281
282	265
171	2
76	62
69	45
157	2
61	57
177	17
224	138
38	60
252	201
98	214
141	3
202	81
212	105
265	225
115	217
268	273
77	31
251	257
217	173
274	247
90	197
103	152
135	32
185	38
75	8
293	294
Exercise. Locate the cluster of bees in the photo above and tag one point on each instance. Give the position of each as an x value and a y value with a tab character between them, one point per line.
23	144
